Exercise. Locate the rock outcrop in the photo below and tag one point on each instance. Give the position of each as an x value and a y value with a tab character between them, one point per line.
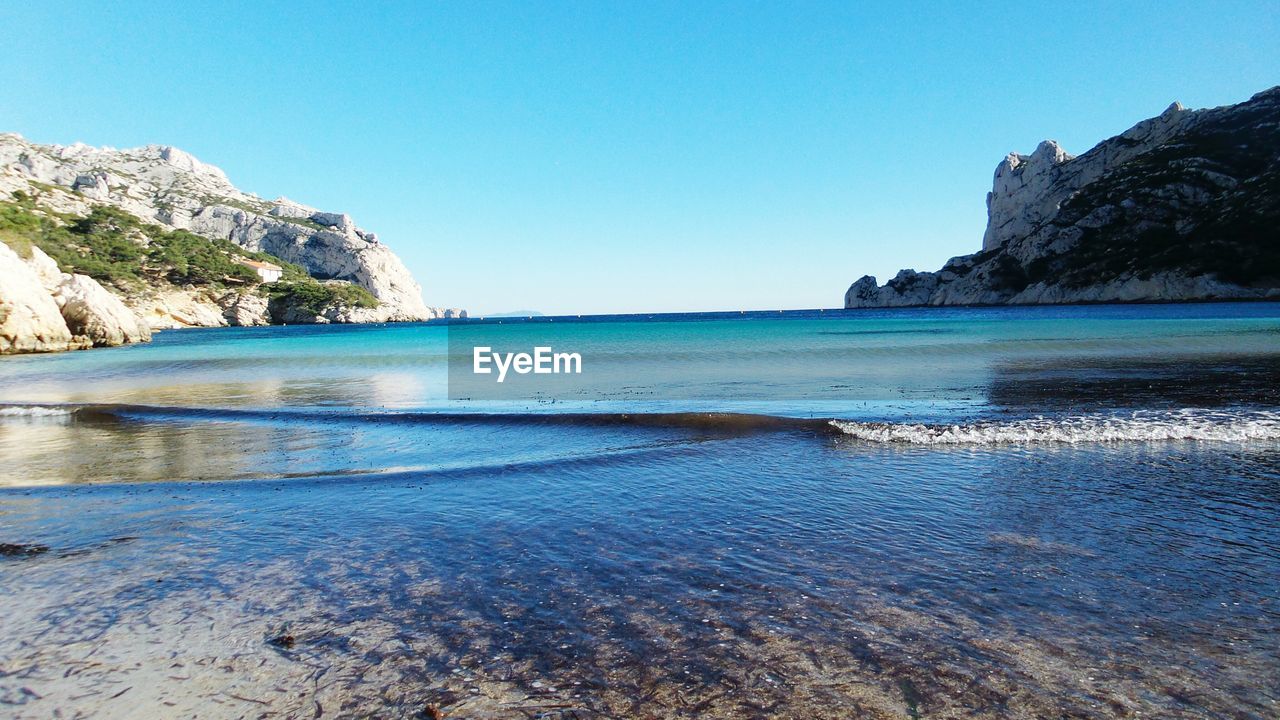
169	187
176	308
45	310
96	315
1183	206
244	309
29	318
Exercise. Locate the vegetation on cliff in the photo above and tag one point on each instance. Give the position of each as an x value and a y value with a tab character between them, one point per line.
121	251
1182	206
1205	204
315	296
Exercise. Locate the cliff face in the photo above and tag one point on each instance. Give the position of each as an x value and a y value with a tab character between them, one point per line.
1183	206
45	310
171	189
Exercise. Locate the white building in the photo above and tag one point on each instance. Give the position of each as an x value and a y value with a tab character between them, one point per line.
267	271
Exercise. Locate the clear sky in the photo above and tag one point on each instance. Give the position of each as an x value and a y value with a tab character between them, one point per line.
627	156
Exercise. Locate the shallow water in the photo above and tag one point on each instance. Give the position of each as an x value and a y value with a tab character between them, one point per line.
1064	533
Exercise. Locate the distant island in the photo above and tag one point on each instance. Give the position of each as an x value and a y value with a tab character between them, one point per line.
1184	206
516	313
101	247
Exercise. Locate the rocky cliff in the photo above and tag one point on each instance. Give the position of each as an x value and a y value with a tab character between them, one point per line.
43	309
1183	206
336	271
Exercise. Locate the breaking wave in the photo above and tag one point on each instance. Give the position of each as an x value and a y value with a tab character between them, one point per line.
1192	424
35	411
1144	426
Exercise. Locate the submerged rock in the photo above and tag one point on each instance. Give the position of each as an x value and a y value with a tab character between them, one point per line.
282	641
22	549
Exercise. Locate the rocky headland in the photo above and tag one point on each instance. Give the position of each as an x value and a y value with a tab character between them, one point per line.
1183	206
101	247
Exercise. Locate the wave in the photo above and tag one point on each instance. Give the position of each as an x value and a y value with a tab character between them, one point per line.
1139	426
1143	426
709	421
35	411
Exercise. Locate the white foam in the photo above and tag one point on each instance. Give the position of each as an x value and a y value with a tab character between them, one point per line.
33	411
1143	426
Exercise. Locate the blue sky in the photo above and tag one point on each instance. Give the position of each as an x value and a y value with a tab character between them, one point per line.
628	156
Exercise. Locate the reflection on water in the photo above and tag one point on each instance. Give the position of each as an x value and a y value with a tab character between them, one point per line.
654	573
150	446
1072	383
892	365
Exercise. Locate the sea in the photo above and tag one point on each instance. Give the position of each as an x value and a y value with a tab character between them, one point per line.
910	513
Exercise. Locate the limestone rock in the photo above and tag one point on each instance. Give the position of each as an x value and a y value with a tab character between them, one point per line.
286	208
863	293
1028	190
245	309
29	318
91	312
1023	193
1183	206
169	187
45	268
338	221
176	309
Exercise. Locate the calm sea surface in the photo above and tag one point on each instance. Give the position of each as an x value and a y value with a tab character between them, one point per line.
1038	512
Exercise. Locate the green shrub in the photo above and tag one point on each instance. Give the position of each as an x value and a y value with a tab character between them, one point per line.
18	226
105	245
315	296
114	247
19	243
354	296
189	259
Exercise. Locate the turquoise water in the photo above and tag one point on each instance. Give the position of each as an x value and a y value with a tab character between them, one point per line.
931	363
1066	512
